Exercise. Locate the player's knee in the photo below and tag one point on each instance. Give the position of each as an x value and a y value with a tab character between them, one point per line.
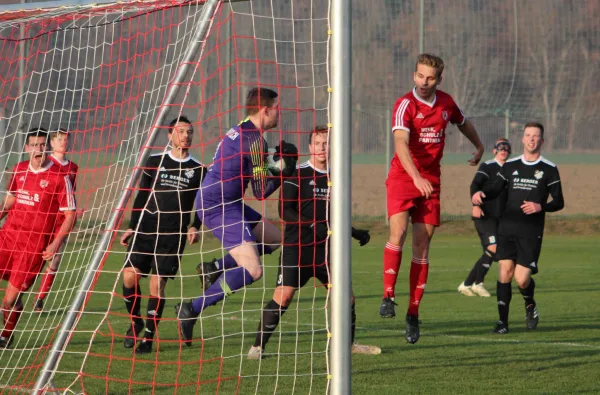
8	303
255	271
397	235
522	280
506	273
284	296
130	277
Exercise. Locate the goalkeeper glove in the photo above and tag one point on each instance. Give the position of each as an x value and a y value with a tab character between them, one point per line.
362	236
289	153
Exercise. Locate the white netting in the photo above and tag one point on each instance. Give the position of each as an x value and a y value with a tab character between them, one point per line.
103	72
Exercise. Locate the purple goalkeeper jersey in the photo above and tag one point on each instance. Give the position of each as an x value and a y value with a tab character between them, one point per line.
240	159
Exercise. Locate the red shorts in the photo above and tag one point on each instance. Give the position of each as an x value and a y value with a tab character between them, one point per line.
20	263
402	195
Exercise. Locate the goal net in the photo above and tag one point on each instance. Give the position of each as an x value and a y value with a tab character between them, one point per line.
114	75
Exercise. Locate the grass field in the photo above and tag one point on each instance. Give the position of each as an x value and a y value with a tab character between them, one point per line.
455	355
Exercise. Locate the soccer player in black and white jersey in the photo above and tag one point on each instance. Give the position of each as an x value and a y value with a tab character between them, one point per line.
158	229
303	208
485	218
529	180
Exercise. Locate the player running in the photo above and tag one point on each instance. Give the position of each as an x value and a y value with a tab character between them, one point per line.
419	120
485	218
36	196
528	181
59	142
241	157
303	207
158	229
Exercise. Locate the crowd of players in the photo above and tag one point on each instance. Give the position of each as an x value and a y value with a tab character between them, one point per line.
177	195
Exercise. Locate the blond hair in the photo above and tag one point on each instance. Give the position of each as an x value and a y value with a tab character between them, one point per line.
53	134
432	61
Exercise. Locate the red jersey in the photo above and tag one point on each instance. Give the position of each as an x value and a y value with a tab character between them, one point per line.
40	195
67	167
426	124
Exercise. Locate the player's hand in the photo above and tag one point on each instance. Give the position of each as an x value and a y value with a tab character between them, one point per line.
192	235
321	230
125	238
362	236
477	212
50	251
424	186
289	153
477	198
531	207
476	157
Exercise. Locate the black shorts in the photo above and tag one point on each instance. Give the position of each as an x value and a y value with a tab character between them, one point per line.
524	251
487	229
154	254
300	264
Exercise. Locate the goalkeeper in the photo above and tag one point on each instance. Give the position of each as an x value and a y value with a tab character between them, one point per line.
303	208
241	157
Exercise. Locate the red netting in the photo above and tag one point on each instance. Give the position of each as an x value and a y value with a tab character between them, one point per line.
104	73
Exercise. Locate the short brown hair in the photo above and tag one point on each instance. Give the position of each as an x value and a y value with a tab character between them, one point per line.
258	98
432	61
36	132
52	135
535	125
320	129
175	121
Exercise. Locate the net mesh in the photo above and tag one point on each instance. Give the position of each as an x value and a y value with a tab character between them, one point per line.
103	73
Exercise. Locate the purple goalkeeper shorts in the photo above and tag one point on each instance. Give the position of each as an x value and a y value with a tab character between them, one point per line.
232	224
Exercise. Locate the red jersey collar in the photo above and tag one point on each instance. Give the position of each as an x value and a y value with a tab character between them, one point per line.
414	92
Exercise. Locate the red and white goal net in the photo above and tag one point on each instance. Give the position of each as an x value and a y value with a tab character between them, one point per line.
114	75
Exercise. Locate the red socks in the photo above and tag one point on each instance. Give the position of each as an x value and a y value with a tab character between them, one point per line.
11	317
392	257
47	281
419	269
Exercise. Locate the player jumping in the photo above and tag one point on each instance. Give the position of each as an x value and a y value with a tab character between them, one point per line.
419	120
241	157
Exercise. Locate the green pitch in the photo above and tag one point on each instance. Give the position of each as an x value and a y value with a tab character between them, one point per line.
455	355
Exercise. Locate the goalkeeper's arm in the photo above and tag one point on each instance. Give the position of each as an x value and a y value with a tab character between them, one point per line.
262	185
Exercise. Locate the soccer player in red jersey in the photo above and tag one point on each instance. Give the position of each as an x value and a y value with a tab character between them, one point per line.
419	123
59	142
36	196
